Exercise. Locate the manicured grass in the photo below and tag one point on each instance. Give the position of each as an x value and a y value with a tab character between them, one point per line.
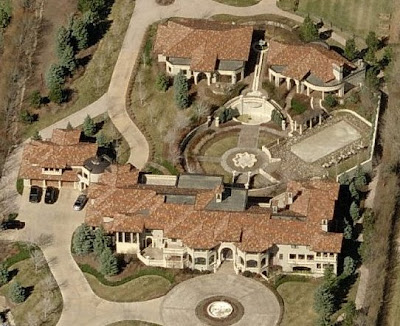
298	300
94	82
220	146
139	289
32	308
266	140
132	323
239	3
354	16
216	169
256	18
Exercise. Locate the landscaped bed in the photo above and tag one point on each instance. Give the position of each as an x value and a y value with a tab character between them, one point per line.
132	323
44	300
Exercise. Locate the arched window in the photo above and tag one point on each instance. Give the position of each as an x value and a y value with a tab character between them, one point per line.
263	262
200	261
251	263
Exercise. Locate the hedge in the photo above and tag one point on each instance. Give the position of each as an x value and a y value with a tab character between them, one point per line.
143	272
298	106
20	186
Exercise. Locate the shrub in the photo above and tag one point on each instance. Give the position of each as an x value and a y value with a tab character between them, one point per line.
5	13
89	127
360	180
181	91
16	293
27	117
82	241
3	274
162	82
348	230
35	99
349	266
354	211
20	186
298	106
330	101
108	262
350	50
57	94
353	191
277	117
227	114
36	135
102	140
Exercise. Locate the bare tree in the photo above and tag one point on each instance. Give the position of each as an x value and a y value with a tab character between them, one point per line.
37	259
47	304
200	109
181	120
32	319
49	283
142	93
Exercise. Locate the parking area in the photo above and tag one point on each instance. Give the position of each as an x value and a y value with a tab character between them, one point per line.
326	142
50	219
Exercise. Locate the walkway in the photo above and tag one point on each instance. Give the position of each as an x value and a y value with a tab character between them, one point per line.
248	136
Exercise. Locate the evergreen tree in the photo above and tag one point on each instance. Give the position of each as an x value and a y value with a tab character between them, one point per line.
353	191
36	135
324	296
56	94
350	312
108	263
67	59
3	274
372	41
354	211
55	76
308	30
350	50
162	82
80	33
16	293
89	127
344	179
82	241
360	180
181	91
101	139
63	40
5	13
348	230
370	57
101	241
371	78
349	266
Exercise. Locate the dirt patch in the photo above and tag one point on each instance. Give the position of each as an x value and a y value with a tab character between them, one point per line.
7	250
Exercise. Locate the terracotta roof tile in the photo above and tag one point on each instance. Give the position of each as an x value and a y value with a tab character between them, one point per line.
300	60
203	41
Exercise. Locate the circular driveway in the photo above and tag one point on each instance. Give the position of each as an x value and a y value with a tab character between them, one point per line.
261	308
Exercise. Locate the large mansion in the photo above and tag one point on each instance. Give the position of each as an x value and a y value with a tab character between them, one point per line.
196	222
312	67
61	161
202	48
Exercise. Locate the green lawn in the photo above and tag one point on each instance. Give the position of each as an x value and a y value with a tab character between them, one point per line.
132	323
32	309
298	300
220	146
266	139
354	16
239	3
139	289
94	82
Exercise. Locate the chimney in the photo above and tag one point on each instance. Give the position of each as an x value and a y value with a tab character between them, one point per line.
324	225
337	71
289	198
218	197
274	209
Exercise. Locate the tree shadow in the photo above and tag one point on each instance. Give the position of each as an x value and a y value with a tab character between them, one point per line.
12	273
28	291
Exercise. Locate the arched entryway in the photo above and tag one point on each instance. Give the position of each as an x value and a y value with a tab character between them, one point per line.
149	242
226	254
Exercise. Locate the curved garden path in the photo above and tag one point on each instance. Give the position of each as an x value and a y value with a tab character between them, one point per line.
81	305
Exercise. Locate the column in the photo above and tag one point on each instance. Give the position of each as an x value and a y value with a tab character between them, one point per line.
297	86
320	119
277	81
195	75
341	92
295	125
208	78
308	91
311	123
59	184
233	78
241	104
270	75
288	83
301	87
242	74
323	95
301	129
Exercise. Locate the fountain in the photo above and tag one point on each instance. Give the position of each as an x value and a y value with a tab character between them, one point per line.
219	309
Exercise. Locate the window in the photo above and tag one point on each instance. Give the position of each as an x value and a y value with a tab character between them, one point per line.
251	263
325	254
331	255
310	257
301	257
169	69
280	256
294	246
173	240
120	237
318	254
292	256
200	261
184	71
318	266
128	237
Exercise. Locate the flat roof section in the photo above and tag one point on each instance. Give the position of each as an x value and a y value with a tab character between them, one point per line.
197	181
233	200
326	142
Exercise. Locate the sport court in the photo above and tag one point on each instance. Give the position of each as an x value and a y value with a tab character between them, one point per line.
326	142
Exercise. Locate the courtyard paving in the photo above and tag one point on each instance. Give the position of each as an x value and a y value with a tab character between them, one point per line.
326	142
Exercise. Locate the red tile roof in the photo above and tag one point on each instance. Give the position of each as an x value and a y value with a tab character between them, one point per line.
301	59
62	151
204	42
135	207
